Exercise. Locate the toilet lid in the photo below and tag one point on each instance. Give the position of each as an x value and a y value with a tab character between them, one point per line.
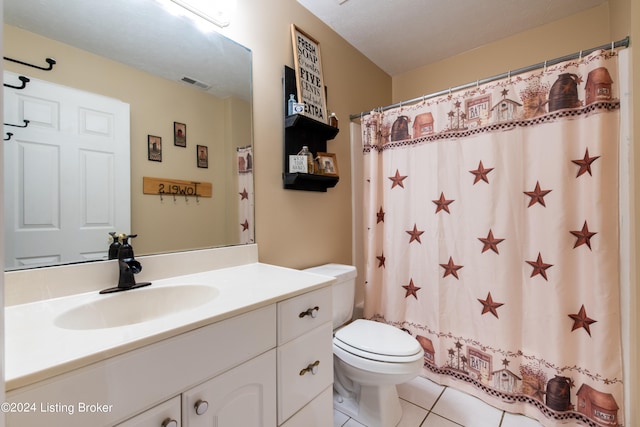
376	340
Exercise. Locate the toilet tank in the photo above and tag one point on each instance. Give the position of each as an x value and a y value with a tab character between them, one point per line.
344	290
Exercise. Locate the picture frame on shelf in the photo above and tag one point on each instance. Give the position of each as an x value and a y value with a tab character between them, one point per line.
327	164
202	152
309	79
154	148
179	134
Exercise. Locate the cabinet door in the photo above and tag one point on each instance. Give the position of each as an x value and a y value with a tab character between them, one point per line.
245	396
166	414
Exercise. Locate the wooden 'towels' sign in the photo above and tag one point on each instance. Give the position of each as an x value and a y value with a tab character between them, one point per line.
175	187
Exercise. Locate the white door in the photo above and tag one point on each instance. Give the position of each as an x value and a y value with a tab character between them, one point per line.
67	178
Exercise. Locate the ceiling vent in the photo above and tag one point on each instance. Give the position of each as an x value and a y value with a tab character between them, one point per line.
195	82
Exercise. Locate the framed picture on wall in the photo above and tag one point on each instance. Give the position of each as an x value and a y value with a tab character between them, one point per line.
327	164
309	80
154	147
179	134
203	156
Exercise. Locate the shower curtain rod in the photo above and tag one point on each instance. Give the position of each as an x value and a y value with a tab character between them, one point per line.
620	43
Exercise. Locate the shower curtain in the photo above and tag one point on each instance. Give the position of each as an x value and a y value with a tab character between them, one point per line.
491	235
245	193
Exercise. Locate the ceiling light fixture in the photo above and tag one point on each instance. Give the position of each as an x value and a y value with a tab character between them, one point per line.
206	9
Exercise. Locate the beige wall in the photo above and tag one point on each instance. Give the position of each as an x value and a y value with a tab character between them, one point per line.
155	103
297	228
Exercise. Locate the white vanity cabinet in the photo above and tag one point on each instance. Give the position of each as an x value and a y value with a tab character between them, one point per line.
269	366
166	414
305	360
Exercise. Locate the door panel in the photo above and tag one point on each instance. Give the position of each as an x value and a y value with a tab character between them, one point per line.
67	178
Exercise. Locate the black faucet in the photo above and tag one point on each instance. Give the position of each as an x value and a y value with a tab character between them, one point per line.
128	266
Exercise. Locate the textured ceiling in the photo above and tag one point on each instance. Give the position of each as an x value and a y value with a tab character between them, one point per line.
402	35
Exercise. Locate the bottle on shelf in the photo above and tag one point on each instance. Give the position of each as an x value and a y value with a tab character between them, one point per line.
310	162
292	100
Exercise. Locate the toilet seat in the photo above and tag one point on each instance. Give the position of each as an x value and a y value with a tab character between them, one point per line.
378	341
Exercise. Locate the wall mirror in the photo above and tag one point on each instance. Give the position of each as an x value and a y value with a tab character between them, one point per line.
174	71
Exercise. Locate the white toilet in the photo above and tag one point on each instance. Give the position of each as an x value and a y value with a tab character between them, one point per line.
369	357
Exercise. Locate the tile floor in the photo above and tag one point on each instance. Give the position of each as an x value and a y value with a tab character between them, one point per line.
426	404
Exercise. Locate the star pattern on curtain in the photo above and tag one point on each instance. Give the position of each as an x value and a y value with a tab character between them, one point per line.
415	234
442	204
490	242
450	268
539	267
537	195
397	179
490	306
411	289
481	173
583	237
581	320
585	163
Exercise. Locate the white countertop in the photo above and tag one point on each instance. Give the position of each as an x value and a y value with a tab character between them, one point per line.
37	349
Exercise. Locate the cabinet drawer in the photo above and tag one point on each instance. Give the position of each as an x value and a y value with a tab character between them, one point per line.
298	384
299	314
158	416
318	413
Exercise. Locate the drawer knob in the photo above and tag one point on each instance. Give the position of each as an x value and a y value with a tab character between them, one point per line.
201	407
169	423
313	368
313	312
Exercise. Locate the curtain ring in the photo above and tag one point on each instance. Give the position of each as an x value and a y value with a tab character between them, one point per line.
612	48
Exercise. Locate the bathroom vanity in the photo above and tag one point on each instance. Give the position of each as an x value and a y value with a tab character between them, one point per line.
246	345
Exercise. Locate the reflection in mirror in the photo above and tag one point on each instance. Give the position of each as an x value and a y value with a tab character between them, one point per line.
172	71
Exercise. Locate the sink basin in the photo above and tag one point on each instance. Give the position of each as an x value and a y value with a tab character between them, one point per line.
135	306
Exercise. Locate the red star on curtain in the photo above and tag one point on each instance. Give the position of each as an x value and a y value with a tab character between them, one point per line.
442	204
415	234
585	163
451	269
539	267
581	320
381	260
244	195
481	173
397	179
411	289
380	216
537	195
583	237
245	225
490	242
489	306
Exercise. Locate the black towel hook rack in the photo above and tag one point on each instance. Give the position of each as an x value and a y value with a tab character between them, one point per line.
26	123
24	81
9	135
49	61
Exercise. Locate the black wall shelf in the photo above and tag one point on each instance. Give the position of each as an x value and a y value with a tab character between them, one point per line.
300	130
